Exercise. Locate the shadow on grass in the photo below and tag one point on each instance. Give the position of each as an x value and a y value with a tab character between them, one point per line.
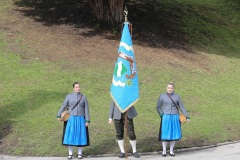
23	105
155	24
106	146
110	146
151	144
154	27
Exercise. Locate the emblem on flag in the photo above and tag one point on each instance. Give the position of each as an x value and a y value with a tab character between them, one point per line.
120	69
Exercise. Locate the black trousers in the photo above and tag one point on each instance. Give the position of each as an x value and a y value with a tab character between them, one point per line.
119	126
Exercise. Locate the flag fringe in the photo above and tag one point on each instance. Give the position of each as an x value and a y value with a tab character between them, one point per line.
126	107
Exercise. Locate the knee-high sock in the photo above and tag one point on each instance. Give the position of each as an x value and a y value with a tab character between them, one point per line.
70	150
80	150
121	145
134	145
172	143
164	146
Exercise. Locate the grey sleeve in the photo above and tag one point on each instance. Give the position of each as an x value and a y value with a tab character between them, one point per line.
63	107
159	105
183	109
111	111
87	115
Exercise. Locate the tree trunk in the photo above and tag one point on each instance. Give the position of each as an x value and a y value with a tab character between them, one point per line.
107	11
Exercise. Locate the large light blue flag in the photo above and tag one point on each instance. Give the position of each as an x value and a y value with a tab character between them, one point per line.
124	88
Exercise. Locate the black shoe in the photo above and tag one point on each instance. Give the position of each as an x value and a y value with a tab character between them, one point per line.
70	156
164	155
136	155
172	154
79	156
121	155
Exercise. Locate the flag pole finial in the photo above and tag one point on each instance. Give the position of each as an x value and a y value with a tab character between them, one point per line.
125	12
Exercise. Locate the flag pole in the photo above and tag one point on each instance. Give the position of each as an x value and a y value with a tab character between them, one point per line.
126	136
125	12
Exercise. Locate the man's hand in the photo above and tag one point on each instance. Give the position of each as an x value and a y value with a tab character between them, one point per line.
110	120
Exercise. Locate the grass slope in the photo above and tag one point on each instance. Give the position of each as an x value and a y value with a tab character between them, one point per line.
32	91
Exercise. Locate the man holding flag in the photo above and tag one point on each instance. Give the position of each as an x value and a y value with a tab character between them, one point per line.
118	117
124	91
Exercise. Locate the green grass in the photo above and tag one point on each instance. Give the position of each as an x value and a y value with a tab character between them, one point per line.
33	91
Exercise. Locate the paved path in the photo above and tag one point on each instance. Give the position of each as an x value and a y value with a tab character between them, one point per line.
223	151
